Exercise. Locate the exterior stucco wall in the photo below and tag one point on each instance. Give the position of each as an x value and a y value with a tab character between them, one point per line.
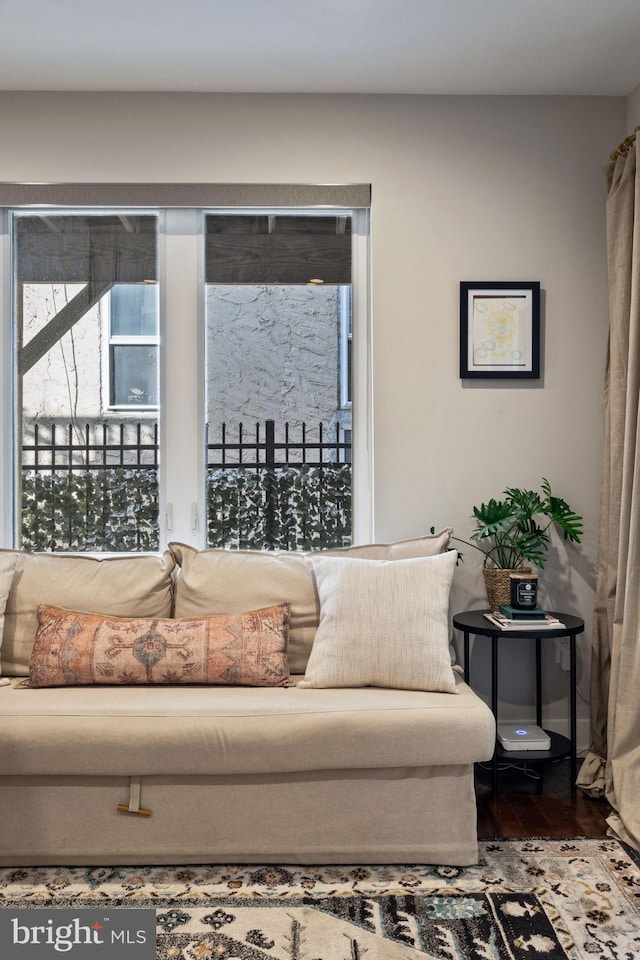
67	382
272	353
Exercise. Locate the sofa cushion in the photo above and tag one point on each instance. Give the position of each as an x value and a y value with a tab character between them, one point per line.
383	624
230	581
74	648
198	730
119	586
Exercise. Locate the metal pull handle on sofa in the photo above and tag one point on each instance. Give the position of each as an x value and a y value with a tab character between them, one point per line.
134	800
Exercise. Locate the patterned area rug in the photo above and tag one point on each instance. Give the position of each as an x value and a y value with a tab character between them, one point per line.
525	900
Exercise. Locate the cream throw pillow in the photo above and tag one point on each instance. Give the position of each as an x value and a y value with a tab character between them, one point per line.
383	624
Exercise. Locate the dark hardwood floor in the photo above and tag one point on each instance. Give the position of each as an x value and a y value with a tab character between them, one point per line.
525	807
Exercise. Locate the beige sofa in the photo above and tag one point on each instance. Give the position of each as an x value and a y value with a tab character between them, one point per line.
323	772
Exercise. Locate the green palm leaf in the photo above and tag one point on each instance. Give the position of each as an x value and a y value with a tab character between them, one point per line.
508	530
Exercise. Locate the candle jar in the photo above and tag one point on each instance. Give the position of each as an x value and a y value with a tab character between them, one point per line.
524	591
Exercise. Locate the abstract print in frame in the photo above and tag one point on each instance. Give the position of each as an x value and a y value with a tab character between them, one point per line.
500	330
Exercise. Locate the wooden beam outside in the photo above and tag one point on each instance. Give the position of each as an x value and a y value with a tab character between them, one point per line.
277	258
64	320
73	250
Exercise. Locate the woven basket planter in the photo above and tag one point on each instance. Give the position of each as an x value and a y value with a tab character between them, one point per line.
497	584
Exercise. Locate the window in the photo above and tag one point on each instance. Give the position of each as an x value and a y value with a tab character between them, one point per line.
177	371
279	442
133	346
86	481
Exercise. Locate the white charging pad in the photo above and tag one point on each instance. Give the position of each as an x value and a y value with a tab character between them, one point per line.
523	736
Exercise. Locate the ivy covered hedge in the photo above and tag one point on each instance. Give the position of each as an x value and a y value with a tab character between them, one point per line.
103	510
287	508
295	507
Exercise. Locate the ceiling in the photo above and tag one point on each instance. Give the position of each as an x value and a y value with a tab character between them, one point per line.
574	47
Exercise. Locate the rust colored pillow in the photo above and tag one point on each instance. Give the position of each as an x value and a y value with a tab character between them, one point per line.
245	649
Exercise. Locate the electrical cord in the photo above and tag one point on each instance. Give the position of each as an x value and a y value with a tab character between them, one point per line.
520	767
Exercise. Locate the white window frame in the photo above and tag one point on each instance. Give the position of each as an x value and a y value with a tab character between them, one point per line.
182	469
182	452
7	391
361	379
362	524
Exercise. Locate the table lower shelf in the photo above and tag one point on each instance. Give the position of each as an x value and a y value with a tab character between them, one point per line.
560	747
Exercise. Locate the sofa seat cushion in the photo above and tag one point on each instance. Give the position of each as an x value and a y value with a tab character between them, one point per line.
117	731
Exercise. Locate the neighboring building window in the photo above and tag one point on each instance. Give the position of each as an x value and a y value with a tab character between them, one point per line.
133	346
346	343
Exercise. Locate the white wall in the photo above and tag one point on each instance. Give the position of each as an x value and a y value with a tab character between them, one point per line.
633	109
464	188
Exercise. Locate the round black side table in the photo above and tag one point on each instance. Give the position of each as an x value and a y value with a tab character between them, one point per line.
474	622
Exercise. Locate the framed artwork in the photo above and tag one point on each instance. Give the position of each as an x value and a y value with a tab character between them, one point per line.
500	330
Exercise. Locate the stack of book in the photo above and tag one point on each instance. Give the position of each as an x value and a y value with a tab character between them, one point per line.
508	618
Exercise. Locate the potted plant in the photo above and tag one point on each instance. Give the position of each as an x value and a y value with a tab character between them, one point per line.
515	530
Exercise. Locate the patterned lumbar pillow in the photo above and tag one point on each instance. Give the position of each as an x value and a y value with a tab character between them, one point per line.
245	649
383	624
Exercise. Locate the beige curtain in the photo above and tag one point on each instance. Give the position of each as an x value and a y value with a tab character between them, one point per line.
612	767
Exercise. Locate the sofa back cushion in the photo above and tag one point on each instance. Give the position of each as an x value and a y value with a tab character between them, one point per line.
120	586
232	581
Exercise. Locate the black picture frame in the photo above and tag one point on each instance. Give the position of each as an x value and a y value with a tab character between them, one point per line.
500	330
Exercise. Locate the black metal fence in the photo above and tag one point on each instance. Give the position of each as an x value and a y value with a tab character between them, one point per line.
90	488
312	446
289	493
96	487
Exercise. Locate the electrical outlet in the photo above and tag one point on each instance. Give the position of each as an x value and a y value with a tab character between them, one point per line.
565	657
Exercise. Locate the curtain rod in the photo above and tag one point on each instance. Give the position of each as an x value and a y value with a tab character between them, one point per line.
623	147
